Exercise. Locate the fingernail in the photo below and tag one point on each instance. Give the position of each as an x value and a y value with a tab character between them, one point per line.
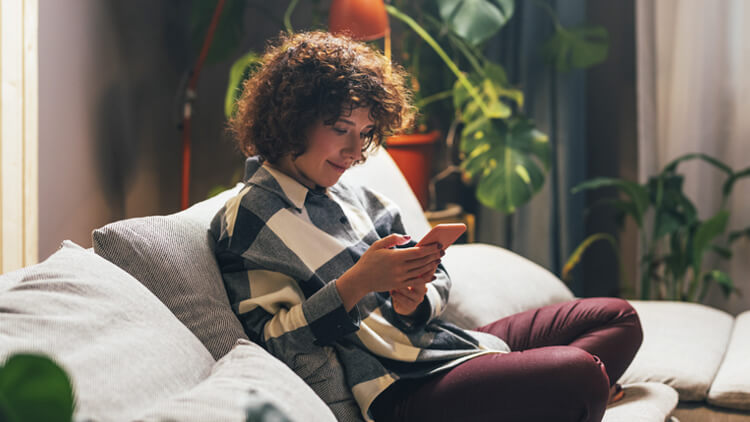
434	277
407	237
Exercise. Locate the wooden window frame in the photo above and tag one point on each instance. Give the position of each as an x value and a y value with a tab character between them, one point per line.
19	134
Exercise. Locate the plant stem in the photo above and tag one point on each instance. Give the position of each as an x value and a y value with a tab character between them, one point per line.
434	97
468	54
439	50
462	46
288	16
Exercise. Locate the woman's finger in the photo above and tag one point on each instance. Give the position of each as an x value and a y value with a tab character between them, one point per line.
429	267
398	294
434	256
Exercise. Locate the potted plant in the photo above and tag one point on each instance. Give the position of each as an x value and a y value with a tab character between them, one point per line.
500	148
674	239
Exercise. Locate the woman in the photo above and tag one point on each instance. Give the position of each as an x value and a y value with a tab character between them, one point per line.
321	274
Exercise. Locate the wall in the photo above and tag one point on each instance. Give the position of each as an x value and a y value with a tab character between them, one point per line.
109	79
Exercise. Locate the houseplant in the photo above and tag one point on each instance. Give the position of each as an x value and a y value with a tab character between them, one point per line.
500	148
674	239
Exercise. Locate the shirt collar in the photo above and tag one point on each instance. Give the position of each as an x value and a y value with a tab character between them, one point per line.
270	179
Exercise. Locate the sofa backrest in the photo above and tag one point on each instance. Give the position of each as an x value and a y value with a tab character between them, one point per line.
381	174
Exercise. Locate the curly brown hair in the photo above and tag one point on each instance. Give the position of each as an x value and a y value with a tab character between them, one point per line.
306	77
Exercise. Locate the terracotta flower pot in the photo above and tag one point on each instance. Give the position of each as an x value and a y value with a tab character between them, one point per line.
413	155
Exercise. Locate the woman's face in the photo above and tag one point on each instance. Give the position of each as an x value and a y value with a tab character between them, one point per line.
331	150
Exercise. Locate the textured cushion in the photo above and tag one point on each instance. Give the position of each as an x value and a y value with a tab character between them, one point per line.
173	256
491	282
643	402
122	348
731	387
223	395
683	345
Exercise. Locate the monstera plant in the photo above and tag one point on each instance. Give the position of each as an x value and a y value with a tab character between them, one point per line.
501	149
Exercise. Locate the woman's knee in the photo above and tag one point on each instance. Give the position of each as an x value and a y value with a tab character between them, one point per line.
628	317
583	381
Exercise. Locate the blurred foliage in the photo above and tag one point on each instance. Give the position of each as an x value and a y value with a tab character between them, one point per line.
674	240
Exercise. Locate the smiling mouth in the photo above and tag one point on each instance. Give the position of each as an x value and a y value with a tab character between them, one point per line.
338	167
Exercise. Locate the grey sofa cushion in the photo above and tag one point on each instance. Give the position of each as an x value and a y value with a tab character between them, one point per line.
223	395
122	348
683	346
731	387
173	256
490	283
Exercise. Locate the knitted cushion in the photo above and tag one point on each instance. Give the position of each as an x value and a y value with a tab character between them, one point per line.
122	348
173	256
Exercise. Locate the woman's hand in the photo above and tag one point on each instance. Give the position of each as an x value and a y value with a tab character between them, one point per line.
407	299
383	269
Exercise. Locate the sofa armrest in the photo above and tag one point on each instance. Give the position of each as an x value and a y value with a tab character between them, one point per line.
490	283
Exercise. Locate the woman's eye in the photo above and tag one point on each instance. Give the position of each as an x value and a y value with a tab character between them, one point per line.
339	131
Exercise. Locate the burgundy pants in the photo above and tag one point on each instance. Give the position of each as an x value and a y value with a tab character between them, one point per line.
564	359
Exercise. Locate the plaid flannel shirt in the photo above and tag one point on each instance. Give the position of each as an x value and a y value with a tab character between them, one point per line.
281	247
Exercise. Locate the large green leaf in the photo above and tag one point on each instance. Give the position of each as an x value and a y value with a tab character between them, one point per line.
241	70
706	232
509	158
228	30
34	388
475	20
493	91
577	254
578	47
672	165
637	193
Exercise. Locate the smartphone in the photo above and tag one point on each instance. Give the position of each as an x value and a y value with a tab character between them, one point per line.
444	234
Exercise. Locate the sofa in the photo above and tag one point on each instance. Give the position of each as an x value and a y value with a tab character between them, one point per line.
143	326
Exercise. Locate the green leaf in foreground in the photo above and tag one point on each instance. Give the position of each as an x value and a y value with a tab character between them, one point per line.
34	388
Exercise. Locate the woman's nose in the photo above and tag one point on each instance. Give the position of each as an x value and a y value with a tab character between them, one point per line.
354	149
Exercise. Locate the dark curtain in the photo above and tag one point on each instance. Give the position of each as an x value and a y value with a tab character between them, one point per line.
548	228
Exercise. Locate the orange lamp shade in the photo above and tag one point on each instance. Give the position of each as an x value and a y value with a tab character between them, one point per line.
363	20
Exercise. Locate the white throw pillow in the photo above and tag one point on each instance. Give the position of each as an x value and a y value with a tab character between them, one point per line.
731	388
122	348
683	345
643	402
224	394
490	283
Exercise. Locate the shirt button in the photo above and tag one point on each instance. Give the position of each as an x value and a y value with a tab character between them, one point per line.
343	220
